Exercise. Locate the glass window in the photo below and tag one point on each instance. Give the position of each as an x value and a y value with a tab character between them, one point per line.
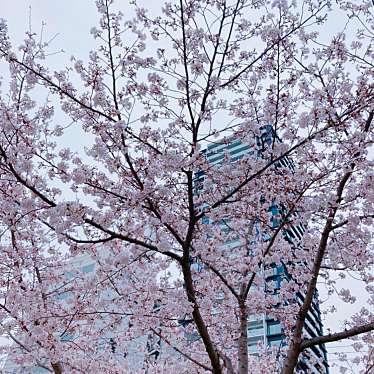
252	348
67	337
256	332
274	329
88	268
254	340
275	343
254	323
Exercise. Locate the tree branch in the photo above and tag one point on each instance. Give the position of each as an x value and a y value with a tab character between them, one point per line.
337	336
188	357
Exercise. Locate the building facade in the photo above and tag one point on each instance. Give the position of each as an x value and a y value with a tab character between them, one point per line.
265	328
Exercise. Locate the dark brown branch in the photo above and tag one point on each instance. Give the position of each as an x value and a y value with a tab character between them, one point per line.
223	279
209	89
294	350
192	219
20	344
185	65
188	357
131	240
337	336
224	54
151	206
295	346
343	223
57	368
112	69
70	96
269	48
235	190
290	212
198	319
112	234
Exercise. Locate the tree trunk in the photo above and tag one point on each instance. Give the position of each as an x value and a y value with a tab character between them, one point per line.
243	341
199	321
292	358
57	368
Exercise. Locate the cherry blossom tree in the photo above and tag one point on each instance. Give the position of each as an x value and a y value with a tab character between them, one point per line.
145	203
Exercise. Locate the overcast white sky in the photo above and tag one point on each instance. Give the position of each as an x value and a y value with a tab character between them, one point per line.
70	21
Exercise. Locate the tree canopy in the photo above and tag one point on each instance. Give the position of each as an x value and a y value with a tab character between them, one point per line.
181	231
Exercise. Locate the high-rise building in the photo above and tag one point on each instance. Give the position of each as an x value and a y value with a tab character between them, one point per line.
265	328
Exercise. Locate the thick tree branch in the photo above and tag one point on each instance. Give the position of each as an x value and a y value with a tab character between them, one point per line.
198	319
295	346
337	336
112	234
